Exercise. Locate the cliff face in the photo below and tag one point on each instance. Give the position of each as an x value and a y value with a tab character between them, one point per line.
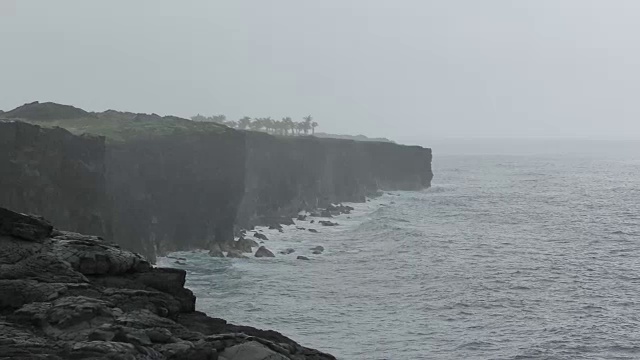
178	185
176	192
286	175
54	173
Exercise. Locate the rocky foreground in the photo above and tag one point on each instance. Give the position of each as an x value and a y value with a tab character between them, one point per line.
65	295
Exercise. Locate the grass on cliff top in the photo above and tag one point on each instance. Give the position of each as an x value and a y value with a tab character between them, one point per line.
118	127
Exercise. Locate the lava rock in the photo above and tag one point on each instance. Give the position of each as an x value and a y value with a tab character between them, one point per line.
260	236
318	248
287	251
216	251
245	245
263	252
300	257
313	231
235	254
328	223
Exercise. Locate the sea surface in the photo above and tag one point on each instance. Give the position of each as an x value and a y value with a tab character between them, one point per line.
519	255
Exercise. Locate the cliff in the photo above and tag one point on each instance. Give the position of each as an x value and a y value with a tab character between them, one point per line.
53	172
157	184
65	295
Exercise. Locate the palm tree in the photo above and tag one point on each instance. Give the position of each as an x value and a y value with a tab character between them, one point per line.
278	127
256	125
244	122
307	123
220	119
300	127
314	125
268	123
289	124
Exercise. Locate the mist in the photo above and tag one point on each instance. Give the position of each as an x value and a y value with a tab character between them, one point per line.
408	70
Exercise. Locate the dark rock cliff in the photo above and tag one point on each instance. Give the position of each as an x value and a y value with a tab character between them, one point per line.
55	173
65	295
176	192
178	185
287	174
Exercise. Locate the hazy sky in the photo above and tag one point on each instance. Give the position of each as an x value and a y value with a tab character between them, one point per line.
405	69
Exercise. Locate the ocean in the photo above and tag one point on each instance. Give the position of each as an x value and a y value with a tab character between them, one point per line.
531	254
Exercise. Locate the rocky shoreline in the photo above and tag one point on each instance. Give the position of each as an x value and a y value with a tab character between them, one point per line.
65	295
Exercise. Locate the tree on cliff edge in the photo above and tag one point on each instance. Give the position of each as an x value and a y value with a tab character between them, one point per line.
307	124
244	122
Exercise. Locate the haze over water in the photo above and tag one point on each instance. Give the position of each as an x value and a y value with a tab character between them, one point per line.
533	255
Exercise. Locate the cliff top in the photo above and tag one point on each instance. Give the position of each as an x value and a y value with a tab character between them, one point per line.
351	137
114	125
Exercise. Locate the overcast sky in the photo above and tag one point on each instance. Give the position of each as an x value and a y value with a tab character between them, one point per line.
405	69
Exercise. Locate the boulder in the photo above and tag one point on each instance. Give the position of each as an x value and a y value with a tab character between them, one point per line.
302	217
300	228
328	223
312	221
318	248
251	350
245	245
300	257
25	227
216	251
326	214
235	254
260	236
313	231
263	252
287	251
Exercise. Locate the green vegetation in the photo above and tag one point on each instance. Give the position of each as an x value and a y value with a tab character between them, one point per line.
122	126
285	127
114	125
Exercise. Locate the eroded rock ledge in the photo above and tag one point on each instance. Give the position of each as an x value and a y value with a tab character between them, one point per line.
65	295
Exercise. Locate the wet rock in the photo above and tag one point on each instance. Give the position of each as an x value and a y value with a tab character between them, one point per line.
235	254
326	214
264	252
316	252
245	245
302	217
260	236
313	231
300	257
251	350
287	251
312	221
328	223
318	248
216	251
300	228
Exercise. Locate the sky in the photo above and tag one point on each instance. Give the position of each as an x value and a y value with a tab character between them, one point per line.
404	69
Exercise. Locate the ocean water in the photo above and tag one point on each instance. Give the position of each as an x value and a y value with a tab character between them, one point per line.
529	256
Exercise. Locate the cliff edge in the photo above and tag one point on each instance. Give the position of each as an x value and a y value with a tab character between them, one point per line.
159	184
64	295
